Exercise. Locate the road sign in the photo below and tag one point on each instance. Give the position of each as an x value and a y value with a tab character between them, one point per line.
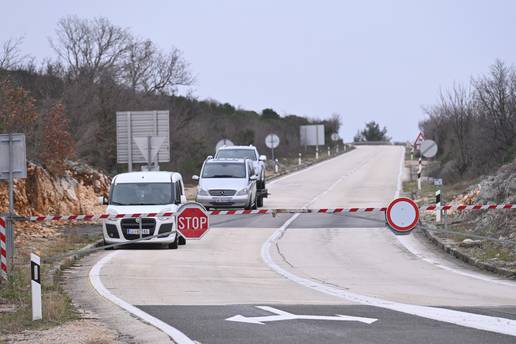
402	215
311	135
192	221
280	315
334	137
428	148
419	139
438	181
222	143
149	146
272	141
141	124
12	146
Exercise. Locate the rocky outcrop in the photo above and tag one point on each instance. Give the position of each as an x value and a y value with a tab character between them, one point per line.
74	192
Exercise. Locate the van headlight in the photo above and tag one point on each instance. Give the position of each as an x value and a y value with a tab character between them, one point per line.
202	192
165	218
242	192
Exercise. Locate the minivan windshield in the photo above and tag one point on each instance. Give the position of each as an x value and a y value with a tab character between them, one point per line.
142	194
223	170
236	154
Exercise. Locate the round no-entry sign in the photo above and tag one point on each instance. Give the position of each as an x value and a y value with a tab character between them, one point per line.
192	221
402	215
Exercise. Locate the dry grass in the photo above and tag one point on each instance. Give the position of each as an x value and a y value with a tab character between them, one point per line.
15	295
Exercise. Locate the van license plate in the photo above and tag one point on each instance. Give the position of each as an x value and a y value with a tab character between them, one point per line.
136	231
222	199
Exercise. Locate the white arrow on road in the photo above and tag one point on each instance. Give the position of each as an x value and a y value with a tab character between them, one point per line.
282	315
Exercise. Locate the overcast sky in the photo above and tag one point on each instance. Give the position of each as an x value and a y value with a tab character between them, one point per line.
367	60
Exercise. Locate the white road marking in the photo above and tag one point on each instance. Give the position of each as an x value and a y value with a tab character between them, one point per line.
178	336
282	315
477	321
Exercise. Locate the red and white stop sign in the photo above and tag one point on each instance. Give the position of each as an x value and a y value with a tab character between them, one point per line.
192	221
402	215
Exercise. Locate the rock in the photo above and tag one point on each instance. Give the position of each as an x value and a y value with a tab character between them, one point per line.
469	243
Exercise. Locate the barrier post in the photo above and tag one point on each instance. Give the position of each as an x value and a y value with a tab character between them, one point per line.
299	159
35	284
3	248
329	151
438	203
419	170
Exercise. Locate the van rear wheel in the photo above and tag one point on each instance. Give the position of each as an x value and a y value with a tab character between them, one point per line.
182	240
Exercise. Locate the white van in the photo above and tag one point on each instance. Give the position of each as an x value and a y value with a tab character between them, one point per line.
141	193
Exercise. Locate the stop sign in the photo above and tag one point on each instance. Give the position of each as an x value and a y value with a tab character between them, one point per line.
192	221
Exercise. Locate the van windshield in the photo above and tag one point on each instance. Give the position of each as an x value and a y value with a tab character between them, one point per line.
223	170
236	154
142	194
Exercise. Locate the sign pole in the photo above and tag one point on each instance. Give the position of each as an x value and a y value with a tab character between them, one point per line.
10	229
35	284
129	143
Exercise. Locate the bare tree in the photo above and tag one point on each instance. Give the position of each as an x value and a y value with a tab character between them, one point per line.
10	54
90	47
149	70
496	97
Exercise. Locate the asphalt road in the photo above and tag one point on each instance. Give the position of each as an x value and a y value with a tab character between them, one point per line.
316	265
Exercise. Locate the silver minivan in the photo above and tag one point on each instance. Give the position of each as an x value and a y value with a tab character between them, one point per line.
227	183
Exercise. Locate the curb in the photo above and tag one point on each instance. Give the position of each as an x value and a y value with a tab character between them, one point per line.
464	257
67	261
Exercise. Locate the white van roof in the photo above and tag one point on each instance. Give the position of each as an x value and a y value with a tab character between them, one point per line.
147	177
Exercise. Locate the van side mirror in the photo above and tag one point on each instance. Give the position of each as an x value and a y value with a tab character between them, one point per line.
209	157
101	200
263	158
253	177
195	177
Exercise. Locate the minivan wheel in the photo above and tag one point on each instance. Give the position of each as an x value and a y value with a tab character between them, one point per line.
182	240
259	201
173	245
107	248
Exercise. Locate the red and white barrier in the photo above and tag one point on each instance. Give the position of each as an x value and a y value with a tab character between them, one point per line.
431	207
3	249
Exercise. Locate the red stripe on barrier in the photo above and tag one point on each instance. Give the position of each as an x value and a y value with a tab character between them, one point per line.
323	210
2	236
383	209
507	206
492	206
369	209
477	206
353	210
3	252
431	207
446	207
231	212
461	207
2	222
338	210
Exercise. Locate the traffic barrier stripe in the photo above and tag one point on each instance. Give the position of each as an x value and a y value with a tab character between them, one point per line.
431	207
3	249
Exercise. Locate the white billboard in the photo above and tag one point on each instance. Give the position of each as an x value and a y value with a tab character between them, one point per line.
136	129
312	135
